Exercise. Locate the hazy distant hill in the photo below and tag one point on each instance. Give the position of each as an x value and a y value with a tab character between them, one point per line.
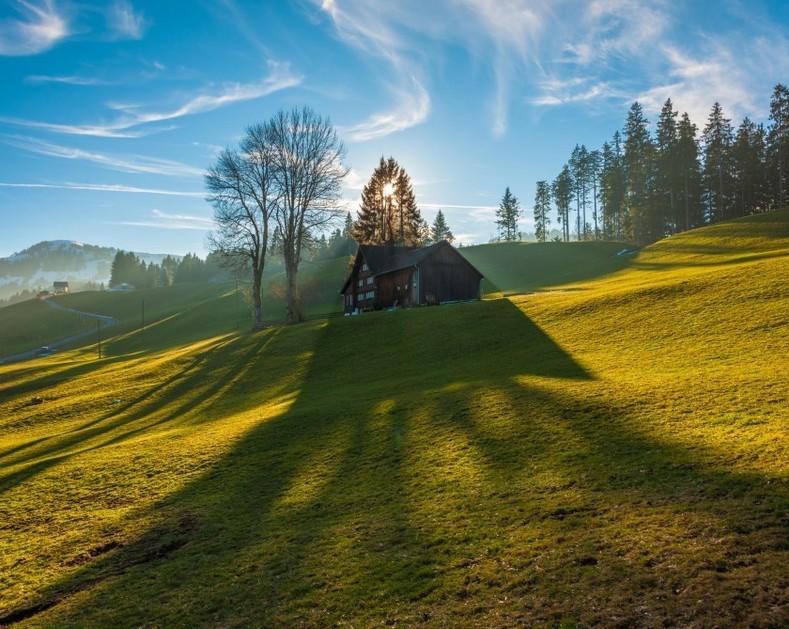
82	266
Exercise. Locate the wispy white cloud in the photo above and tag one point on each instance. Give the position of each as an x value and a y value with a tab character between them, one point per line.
617	51
39	26
105	130
104	188
575	91
501	34
124	21
441	206
413	108
372	28
717	72
129	164
67	79
353	180
163	220
139	115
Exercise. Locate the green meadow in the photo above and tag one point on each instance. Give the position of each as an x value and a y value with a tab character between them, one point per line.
604	446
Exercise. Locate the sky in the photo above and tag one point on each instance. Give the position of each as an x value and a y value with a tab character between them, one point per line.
111	112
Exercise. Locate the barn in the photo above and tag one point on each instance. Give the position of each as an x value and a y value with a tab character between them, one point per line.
384	276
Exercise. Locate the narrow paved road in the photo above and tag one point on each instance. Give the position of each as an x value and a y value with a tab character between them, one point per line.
104	322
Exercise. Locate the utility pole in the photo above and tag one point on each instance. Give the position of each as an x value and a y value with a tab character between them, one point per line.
238	322
98	335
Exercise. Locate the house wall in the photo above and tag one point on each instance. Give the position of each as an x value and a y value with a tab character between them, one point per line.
358	294
446	276
397	286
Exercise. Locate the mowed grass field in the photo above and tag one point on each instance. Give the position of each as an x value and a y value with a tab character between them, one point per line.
610	453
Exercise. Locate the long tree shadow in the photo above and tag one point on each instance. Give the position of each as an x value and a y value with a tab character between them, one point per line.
399	469
190	385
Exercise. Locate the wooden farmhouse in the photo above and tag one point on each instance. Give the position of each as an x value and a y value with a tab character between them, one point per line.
386	276
60	288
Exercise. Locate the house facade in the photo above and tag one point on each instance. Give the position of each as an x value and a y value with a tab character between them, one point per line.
60	288
386	276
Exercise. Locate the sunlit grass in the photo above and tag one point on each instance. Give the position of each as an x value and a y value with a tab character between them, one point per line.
609	455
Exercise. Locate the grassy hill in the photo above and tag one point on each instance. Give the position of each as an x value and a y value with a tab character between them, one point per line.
509	268
610	453
518	267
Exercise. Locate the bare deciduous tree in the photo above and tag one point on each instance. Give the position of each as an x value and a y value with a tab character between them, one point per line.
308	172
241	191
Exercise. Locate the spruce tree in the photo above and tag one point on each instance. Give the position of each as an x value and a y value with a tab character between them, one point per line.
388	214
542	208
717	140
562	190
612	187
666	173
579	166
507	216
689	169
440	230
749	168
778	147
595	166
639	170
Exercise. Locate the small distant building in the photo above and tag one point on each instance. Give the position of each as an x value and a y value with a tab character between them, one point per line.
60	288
385	276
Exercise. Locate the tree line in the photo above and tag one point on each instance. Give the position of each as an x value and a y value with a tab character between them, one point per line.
642	187
127	268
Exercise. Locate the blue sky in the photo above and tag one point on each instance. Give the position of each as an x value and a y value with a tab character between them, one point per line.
112	111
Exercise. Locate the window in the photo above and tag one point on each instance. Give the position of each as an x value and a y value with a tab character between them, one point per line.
370	294
370	280
365	267
361	282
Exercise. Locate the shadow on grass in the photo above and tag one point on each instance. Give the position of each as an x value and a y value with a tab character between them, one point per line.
210	373
399	467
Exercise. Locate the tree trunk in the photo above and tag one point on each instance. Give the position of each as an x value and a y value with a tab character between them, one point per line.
293	313
257	298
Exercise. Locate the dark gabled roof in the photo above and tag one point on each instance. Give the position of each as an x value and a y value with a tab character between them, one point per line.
383	259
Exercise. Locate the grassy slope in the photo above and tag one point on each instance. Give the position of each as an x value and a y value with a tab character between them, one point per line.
33	323
525	267
508	267
611	454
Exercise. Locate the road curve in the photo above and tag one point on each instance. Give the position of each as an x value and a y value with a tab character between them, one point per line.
104	322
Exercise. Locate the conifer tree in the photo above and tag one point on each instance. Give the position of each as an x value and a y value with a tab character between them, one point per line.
717	139
750	169
347	228
612	187
666	175
638	167
562	190
778	147
542	207
440	230
507	216
581	166
689	169
595	165
388	213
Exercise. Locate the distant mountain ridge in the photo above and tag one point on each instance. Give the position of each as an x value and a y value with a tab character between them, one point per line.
83	266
